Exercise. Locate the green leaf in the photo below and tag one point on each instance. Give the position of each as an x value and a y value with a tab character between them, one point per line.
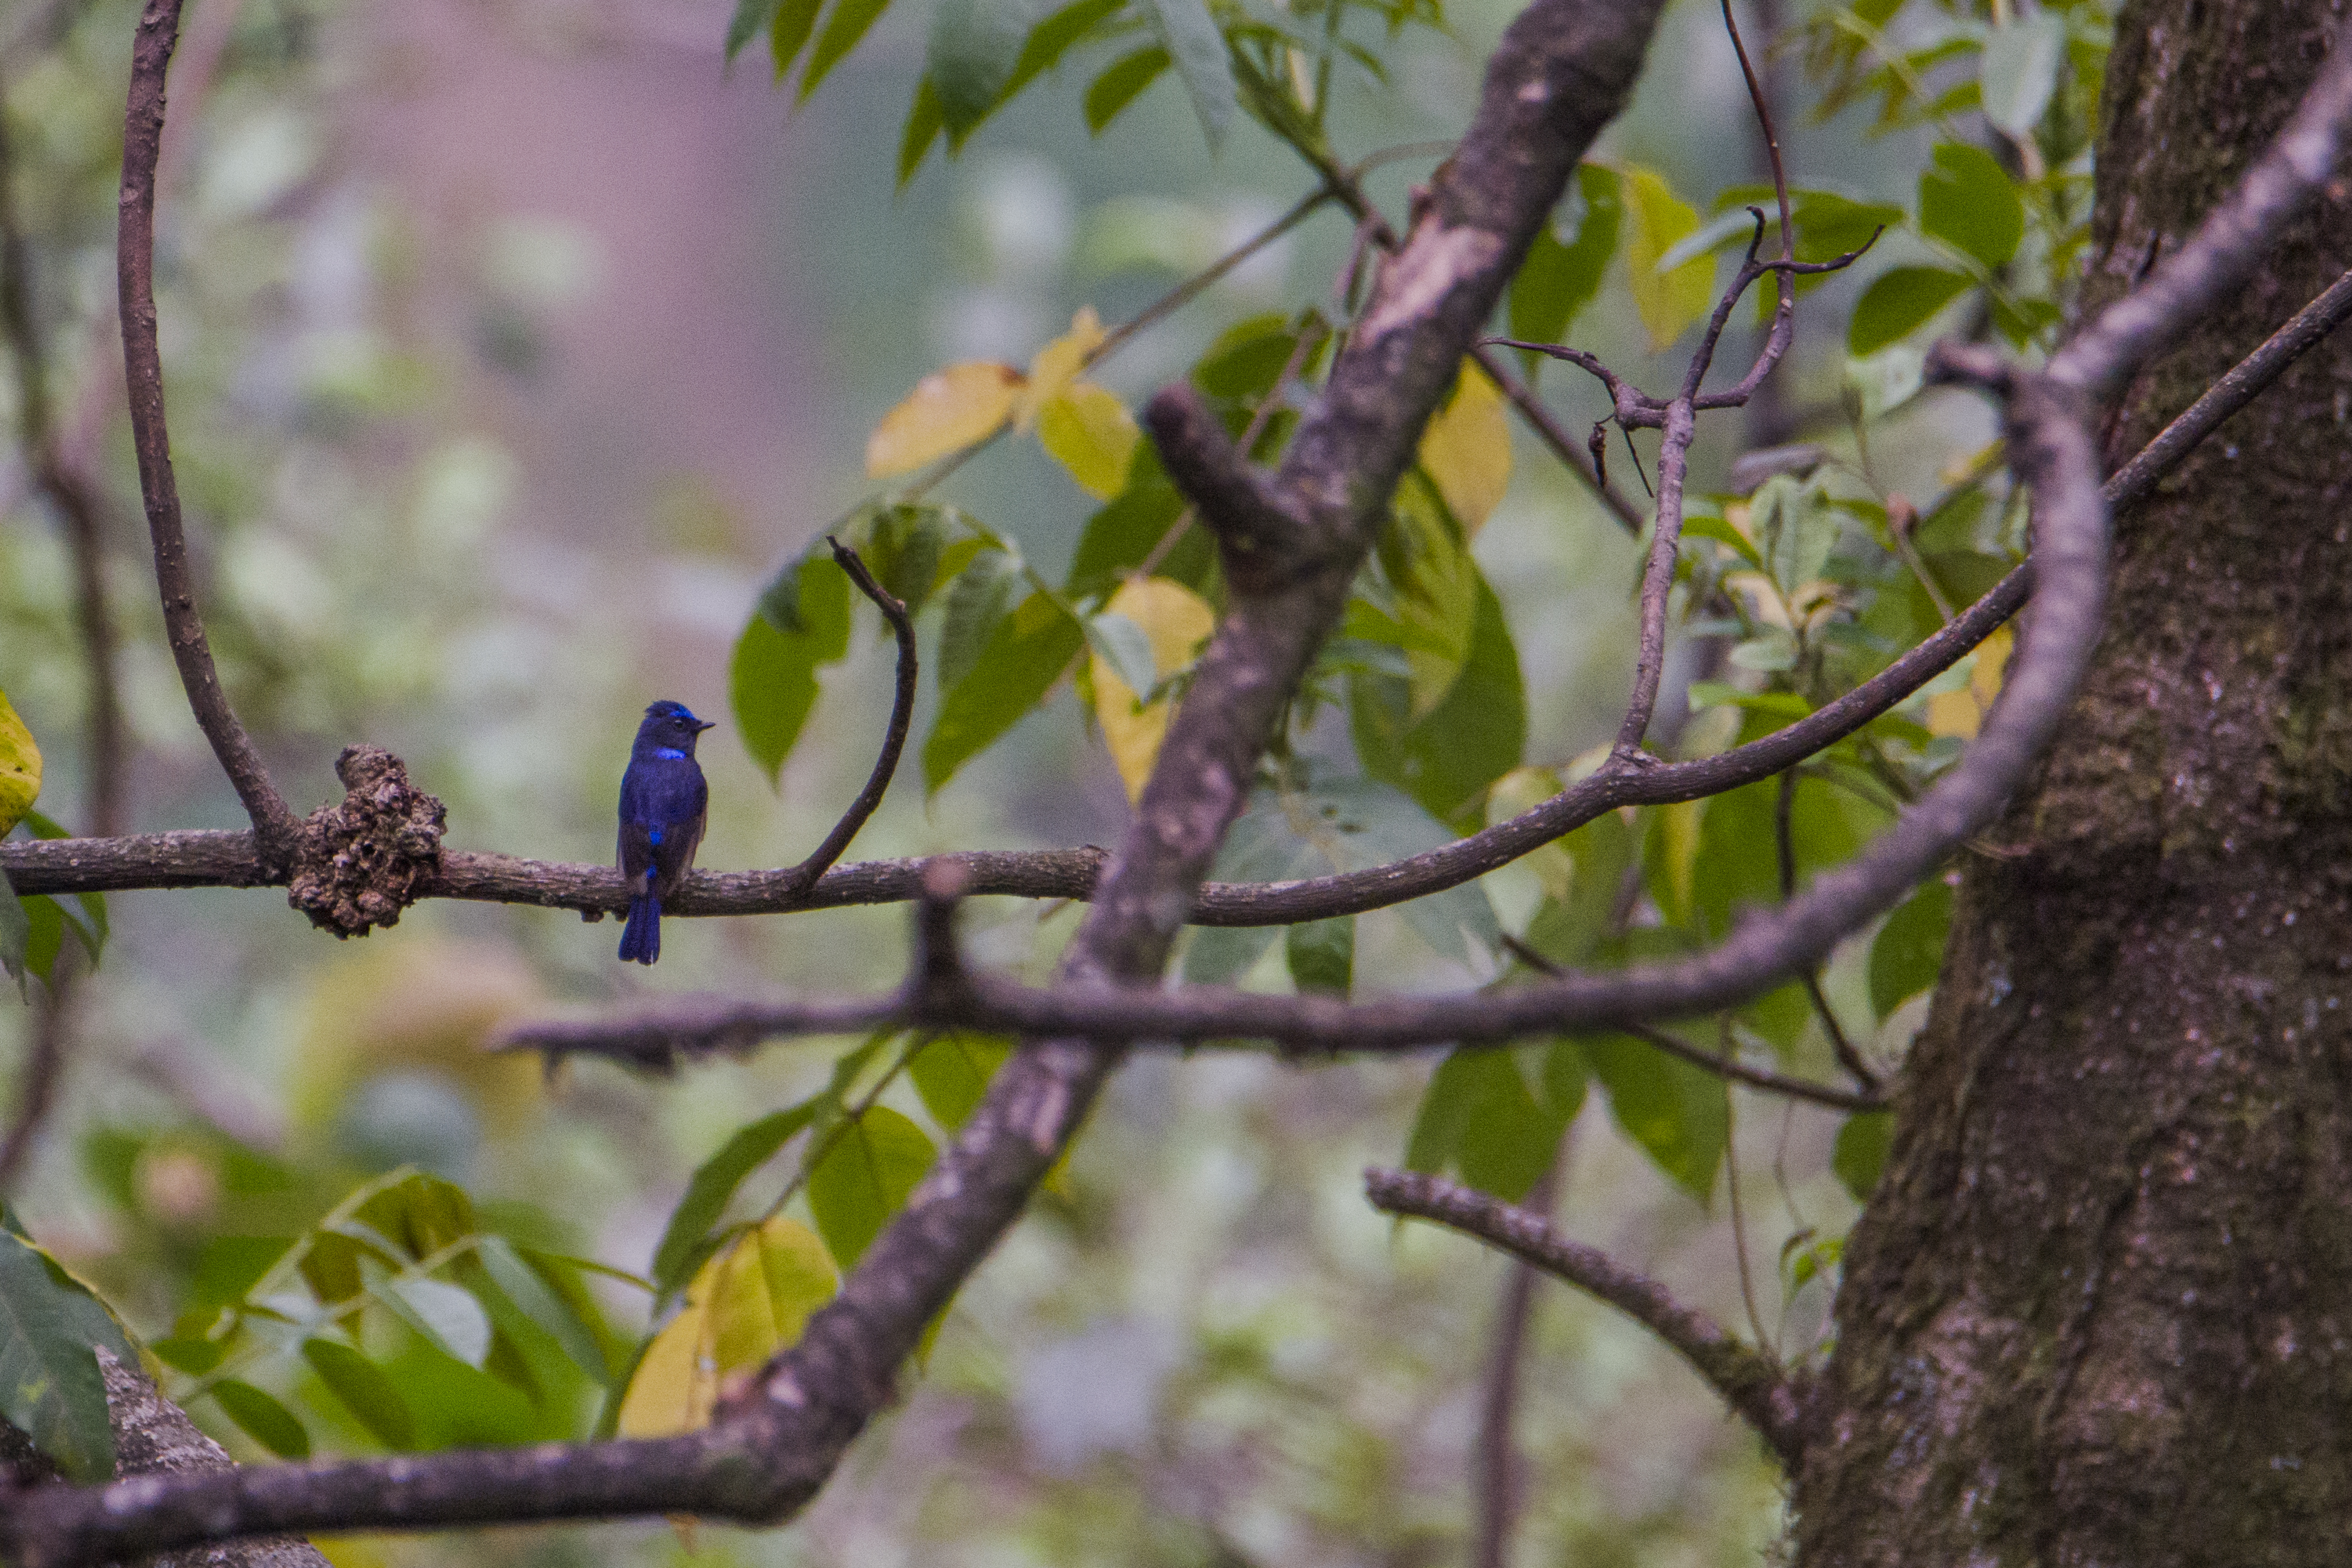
1125	647
193	1356
1120	83
974	46
902	547
925	118
92	928
1122	535
1447	758
1739	860
1022	659
1558	280
713	1184
1859	1156
749	19
447	1315
1674	1111
44	935
2019	71
1480	1118
1793	522
1967	201
1192	39
1710	237
846	25
263	1419
1363	823
1829	223
953	1072
1668	301
976	604
803	624
51	1388
15	930
1053	37
1246	359
1322	954
1704	526
864	1178
365	1391
1569	930
529	1290
1565	1076
1897	302
1908	954
788	32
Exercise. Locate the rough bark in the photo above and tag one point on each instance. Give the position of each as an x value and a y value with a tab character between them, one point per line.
153	1437
2100	1309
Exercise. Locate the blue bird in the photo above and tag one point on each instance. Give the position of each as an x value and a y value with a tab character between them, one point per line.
664	806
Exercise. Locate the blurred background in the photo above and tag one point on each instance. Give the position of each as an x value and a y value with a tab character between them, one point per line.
511	344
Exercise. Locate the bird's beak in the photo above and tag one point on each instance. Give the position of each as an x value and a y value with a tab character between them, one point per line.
702	724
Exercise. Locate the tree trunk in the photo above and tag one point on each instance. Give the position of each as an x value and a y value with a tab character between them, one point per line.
2100	1309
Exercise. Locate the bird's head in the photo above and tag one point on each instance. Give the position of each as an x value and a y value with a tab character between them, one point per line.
670	726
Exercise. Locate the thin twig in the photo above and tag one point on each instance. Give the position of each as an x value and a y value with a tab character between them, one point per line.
274	824
1765	1396
894	739
1495	1460
1563	445
1739	1211
1722	1064
1201	282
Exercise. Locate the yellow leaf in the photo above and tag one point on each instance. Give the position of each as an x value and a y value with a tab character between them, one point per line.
1671	301
1523	790
1177	621
1678	834
744	1305
20	767
948	411
676	1383
1057	364
1962	713
1466	450
1090	431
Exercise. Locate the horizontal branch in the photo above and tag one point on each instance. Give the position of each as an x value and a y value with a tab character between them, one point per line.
200	858
1765	1396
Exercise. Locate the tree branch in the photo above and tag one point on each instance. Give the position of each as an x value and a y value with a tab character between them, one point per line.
1762	1396
806	875
273	825
1257	535
219	859
940	993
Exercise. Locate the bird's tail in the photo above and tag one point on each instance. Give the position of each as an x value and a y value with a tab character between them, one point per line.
641	938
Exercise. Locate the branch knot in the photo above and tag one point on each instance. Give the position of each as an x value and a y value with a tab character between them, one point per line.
1261	540
358	865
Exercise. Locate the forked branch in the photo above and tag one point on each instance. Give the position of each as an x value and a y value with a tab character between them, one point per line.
1765	1396
274	829
806	875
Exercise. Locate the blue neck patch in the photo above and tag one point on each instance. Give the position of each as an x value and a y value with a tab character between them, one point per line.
671	752
653	834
